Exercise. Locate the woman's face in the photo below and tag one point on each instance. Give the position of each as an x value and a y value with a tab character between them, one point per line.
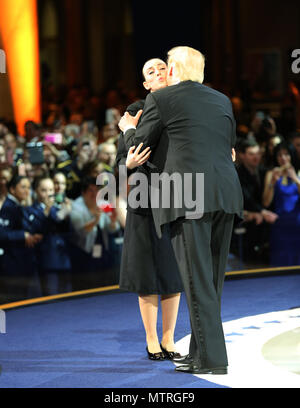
283	157
22	190
60	183
45	191
155	74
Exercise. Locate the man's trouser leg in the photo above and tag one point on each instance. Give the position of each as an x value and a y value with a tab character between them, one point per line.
220	245
201	248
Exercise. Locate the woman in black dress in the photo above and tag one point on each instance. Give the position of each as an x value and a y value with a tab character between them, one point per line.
148	265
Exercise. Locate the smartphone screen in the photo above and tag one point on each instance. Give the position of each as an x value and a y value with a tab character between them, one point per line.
55	138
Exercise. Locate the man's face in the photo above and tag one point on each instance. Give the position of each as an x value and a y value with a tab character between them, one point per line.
252	156
155	74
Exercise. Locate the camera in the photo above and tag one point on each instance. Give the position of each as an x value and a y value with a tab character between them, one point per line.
36	152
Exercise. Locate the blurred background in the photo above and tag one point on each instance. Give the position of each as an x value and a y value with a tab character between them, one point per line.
72	68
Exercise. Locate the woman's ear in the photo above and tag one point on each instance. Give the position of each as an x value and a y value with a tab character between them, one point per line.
146	85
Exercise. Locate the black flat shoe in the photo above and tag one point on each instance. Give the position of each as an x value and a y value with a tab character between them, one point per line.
184	360
194	369
156	356
171	355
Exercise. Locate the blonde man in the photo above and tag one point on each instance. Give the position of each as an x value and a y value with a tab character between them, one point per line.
190	129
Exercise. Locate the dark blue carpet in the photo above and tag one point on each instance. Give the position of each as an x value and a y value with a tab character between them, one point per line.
99	341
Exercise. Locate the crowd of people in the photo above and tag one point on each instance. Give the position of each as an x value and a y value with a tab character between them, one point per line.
55	238
268	165
54	235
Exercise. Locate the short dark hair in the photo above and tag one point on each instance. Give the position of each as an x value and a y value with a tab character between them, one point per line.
15	180
281	146
90	166
244	144
37	181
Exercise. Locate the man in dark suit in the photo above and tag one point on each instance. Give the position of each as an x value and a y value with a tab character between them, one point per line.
252	178
190	129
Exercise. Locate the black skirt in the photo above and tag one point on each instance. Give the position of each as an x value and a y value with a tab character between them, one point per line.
148	265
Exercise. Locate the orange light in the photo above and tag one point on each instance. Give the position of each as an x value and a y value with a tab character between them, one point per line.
19	31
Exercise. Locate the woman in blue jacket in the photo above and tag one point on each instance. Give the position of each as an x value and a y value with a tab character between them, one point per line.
52	252
17	238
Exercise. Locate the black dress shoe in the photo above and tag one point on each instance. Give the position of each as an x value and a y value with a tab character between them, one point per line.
195	369
170	355
184	360
156	356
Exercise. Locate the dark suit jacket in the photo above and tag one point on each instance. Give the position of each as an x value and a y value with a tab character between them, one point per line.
191	129
252	187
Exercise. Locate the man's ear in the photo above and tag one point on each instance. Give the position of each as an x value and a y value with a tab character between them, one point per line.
171	70
146	85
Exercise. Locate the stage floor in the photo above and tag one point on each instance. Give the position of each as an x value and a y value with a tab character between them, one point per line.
98	341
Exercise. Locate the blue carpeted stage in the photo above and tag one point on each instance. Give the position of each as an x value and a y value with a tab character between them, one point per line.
98	341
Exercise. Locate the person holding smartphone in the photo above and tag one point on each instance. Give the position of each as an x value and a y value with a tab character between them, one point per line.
282	192
53	252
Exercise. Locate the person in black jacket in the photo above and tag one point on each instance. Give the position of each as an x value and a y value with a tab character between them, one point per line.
148	264
191	130
252	173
